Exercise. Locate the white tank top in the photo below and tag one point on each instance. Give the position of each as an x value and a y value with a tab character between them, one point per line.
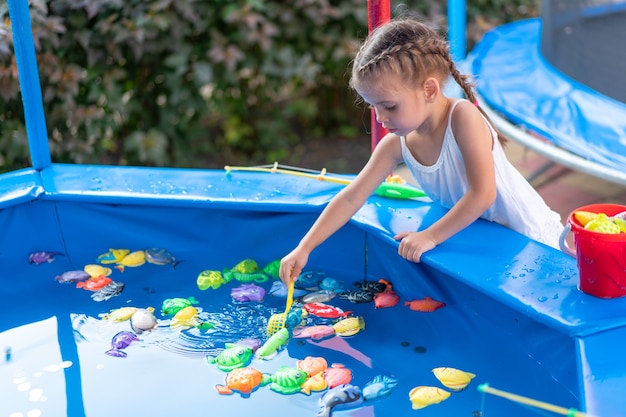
518	206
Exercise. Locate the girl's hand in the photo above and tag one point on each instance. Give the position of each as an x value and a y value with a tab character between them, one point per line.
291	265
414	244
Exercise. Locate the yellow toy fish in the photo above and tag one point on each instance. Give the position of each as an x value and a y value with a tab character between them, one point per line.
452	378
349	326
424	396
185	318
133	259
95	270
113	256
120	314
314	383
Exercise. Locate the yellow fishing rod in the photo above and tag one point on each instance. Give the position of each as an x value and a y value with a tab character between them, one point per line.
386	189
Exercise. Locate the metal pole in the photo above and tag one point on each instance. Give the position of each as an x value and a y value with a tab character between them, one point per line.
30	86
378	12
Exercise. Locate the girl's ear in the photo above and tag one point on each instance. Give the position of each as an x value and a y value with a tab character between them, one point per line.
431	88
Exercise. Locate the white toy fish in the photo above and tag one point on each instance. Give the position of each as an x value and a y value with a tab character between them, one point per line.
339	397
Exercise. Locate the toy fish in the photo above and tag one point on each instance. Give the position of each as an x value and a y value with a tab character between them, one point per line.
251	342
340	397
143	320
95	270
232	357
452	378
312	365
426	305
314	383
387	298
331	284
121	341
325	311
185	318
380	387
349	326
159	256
41	257
337	375
72	276
371	286
210	279
172	306
94	283
357	296
288	380
272	344
272	269
245	380
248	292
120	314
133	259
319	296
316	332
111	290
310	279
112	256
247	266
423	396
279	289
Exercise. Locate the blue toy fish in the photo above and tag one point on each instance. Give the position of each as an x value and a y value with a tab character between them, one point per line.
341	397
379	387
121	341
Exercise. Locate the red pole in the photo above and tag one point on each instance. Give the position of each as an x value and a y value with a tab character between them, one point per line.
378	12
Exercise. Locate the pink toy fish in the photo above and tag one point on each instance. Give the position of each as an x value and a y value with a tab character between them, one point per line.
387	298
317	332
312	365
337	375
325	311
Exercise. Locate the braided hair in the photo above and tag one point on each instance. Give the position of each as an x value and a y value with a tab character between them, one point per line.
412	51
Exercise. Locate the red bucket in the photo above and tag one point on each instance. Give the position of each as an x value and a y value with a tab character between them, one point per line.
601	257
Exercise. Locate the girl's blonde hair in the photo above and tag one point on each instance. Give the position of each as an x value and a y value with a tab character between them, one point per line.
412	51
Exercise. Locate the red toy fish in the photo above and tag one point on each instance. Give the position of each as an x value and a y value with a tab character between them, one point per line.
387	298
426	305
94	283
325	311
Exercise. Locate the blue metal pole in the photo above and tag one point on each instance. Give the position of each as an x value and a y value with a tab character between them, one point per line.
456	29
28	75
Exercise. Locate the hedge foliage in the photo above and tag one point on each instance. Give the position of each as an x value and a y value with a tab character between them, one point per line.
173	82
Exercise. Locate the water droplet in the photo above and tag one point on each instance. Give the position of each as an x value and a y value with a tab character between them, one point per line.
542	299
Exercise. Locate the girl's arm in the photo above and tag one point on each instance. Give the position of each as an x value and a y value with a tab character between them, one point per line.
342	207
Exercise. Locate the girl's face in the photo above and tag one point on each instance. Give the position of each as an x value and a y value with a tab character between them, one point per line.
399	108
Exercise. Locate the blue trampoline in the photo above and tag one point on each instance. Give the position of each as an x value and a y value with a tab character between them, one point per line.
509	310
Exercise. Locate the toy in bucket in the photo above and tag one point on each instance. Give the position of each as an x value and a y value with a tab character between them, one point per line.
599	232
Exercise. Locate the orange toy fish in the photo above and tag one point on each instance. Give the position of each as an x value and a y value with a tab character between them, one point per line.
312	365
94	283
426	305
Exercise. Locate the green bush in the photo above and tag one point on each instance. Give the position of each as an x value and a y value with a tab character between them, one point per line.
177	82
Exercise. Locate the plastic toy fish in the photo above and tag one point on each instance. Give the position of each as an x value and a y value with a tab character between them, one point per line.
371	286
232	357
248	292
120	314
349	326
380	387
41	257
316	332
319	296
357	296
251	342
425	305
133	259
314	383
272	269
143	320
112	256
245	271
331	284
279	289
423	396
312	365
210	279
94	283
272	344
325	311
245	380
72	277
95	270
385	299
281	320
185	318
310	280
159	256
121	341
111	290
340	397
452	378
288	380
172	306
337	375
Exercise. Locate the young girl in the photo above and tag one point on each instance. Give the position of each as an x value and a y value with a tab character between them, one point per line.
448	145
